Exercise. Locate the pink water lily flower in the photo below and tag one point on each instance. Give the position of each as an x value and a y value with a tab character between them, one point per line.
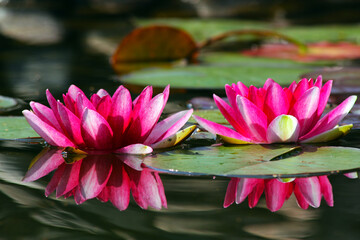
308	191
273	114
108	177
107	123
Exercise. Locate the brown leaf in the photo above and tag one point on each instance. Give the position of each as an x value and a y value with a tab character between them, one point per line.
153	44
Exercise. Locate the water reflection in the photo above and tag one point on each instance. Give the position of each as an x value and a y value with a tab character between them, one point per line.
308	191
105	177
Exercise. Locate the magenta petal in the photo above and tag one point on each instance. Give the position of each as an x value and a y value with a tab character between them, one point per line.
276	102
73	92
257	96
300	199
70	104
46	163
47	132
102	93
53	104
310	189
219	129
166	94
305	109
161	189
46	114
141	127
95	99
55	180
147	192
71	124
241	89
324	97
268	83
230	115
254	118
318	82
326	190
119	186
254	196
275	194
231	192
104	106
94	174
136	148
69	179
332	118
168	126
119	117
103	196
141	102
83	102
301	88
95	130
244	188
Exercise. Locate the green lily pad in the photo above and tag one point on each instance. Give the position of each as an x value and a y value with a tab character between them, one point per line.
254	161
212	115
213	77
8	104
12	128
201	29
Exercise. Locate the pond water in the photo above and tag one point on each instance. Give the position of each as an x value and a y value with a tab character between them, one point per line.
194	204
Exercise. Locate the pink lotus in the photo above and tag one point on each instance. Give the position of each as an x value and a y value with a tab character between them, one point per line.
108	177
108	123
308	191
273	114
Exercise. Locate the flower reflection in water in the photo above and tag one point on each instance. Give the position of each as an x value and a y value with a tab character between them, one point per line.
308	191
106	177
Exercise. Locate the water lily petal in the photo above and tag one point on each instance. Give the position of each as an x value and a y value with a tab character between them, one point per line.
254	196
95	99
257	96
83	102
94	174
46	114
300	199
136	148
230	115
284	128
73	92
268	83
301	88
70	103
119	117
276	102
168	126
332	118
141	101
104	106
240	89
310	189
329	135
318	82
244	188
254	118
305	109
102	93
47	132
71	124
69	179
54	180
95	130
46	161
275	194
141	127
352	175
216	128
324	97
119	186
231	192
161	189
326	190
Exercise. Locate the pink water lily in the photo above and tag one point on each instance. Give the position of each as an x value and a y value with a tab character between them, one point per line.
273	114
108	177
108	123
308	191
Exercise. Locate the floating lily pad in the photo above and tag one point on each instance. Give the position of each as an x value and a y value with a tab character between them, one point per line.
212	115
8	104
254	161
213	77
12	128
